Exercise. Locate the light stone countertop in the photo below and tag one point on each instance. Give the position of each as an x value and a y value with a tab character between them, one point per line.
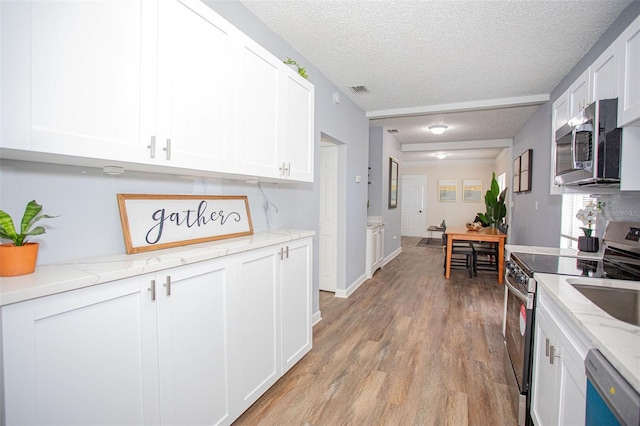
64	276
618	341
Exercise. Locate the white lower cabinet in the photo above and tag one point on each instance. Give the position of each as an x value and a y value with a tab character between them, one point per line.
559	379
123	352
196	344
375	249
274	314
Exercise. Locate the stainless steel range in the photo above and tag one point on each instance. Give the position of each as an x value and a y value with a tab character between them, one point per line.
621	261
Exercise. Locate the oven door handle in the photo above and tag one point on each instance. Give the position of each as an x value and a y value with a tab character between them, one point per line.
516	292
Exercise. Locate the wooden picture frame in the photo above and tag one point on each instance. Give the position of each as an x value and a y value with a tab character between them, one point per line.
472	190
393	183
516	175
447	190
525	171
159	221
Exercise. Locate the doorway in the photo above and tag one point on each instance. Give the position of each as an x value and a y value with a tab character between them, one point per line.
414	205
328	235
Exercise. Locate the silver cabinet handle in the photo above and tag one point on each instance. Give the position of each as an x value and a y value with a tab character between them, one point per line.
152	289
167	149
282	169
281	253
546	347
152	147
167	285
288	169
552	354
287	252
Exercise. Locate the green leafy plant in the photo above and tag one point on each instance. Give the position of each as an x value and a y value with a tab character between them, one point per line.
30	217
302	71
494	201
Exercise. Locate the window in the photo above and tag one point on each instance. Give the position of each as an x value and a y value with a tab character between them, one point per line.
501	179
570	225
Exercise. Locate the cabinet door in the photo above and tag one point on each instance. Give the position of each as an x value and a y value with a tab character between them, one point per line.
91	65
196	59
579	94
257	111
257	295
604	75
629	75
194	329
544	403
297	128
380	247
296	302
87	356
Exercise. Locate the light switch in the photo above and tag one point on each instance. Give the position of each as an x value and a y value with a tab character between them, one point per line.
358	179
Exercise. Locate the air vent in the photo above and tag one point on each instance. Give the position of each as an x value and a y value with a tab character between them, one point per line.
359	90
393	131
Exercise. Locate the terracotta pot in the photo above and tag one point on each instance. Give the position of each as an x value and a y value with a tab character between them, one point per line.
18	260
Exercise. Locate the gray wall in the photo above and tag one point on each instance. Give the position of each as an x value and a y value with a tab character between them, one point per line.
542	226
383	145
86	199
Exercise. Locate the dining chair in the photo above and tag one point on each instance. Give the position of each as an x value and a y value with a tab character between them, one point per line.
462	255
486	254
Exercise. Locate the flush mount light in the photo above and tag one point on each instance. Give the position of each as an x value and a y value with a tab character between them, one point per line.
441	155
438	129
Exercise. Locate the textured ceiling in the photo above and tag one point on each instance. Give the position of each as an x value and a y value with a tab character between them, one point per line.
418	55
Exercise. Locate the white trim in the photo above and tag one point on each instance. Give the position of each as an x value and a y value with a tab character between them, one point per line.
440	146
447	162
352	288
462	106
392	256
316	318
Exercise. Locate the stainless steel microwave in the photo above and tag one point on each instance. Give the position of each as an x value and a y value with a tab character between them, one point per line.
588	147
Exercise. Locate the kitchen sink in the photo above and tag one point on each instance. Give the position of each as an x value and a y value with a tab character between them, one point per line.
621	303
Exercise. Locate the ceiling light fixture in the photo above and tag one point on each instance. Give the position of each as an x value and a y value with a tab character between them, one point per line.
438	129
441	155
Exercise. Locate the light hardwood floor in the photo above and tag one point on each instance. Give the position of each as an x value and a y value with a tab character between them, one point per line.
407	348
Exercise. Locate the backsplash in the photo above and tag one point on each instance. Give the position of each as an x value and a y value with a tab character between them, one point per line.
624	207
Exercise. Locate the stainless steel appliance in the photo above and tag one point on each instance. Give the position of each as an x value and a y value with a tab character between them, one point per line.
587	148
621	260
611	400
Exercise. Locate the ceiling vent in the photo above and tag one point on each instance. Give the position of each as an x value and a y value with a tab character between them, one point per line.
393	131
359	90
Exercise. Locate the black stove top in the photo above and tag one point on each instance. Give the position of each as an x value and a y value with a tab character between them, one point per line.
612	268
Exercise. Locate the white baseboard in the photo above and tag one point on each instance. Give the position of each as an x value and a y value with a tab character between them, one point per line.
392	256
316	318
353	287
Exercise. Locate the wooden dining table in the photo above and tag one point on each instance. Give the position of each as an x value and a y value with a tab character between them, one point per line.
488	234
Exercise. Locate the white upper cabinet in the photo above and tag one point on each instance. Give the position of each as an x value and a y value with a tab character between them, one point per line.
81	65
158	85
297	127
195	87
604	75
579	94
258	96
629	75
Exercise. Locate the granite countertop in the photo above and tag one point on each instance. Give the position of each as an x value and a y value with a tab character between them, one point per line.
569	252
64	276
618	341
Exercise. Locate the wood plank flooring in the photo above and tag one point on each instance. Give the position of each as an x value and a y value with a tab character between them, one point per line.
407	348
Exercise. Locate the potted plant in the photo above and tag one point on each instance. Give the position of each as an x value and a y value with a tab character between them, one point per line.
494	201
302	71
588	216
19	256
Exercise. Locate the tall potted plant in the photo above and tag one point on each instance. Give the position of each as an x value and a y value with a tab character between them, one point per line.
19	257
494	202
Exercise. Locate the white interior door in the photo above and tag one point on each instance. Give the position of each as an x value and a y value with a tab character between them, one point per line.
414	205
328	217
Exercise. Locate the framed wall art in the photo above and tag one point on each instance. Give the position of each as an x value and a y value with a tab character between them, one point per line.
157	221
516	175
522	172
393	183
447	190
472	190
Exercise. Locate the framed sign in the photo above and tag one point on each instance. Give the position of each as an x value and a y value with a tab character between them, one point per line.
447	189
155	221
393	183
472	190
